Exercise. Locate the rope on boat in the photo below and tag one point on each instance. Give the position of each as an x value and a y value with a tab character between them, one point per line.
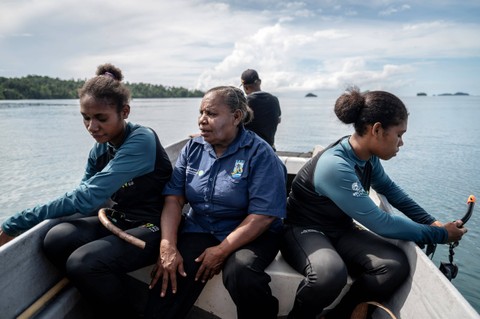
102	216
43	300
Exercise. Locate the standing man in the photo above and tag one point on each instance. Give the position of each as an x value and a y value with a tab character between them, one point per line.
265	106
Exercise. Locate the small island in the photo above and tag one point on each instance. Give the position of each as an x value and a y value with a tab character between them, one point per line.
310	95
455	94
444	94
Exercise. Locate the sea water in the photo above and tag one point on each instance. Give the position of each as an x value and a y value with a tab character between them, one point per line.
44	146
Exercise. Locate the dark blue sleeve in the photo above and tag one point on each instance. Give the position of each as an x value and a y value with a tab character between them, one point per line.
267	190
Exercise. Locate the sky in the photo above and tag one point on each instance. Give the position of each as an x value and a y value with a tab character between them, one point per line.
297	47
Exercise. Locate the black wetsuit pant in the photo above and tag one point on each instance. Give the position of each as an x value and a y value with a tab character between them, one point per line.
378	266
243	275
97	262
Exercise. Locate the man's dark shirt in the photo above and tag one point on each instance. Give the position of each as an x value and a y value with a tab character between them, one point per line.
266	109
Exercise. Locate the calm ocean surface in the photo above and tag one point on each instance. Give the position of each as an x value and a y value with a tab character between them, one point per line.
44	146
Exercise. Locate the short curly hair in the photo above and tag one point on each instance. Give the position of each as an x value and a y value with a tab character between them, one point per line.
236	100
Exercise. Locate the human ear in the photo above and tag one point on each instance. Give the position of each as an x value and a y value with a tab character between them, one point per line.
125	111
376	128
238	115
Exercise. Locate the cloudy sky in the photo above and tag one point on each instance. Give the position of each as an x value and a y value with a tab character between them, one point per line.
319	46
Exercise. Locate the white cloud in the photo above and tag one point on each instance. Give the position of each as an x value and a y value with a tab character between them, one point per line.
393	10
309	45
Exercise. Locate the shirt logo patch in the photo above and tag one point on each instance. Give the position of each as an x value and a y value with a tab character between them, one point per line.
238	169
358	190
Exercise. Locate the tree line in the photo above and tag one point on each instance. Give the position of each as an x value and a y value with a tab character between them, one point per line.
36	87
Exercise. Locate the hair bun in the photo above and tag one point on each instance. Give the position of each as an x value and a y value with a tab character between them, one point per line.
110	70
349	105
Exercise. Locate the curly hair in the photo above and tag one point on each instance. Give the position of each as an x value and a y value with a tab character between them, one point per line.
236	100
107	86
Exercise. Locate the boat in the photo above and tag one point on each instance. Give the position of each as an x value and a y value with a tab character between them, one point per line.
32	288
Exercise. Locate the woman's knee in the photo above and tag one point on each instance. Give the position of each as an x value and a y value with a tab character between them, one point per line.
55	237
83	262
326	269
398	266
390	272
241	271
75	268
322	280
57	244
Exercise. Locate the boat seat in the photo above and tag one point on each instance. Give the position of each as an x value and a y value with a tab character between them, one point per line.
216	299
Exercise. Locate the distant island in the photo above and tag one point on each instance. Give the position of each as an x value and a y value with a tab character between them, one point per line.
310	95
445	94
37	87
455	94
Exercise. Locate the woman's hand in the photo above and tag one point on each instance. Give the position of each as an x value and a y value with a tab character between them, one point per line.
4	238
211	260
455	230
169	262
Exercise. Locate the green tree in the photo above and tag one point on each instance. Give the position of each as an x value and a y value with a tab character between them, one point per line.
43	87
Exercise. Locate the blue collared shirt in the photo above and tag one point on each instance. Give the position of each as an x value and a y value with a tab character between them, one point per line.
248	178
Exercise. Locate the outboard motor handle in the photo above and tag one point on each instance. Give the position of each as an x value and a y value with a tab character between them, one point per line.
471	203
450	269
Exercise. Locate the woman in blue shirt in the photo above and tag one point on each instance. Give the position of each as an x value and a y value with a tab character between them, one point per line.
235	185
128	167
321	240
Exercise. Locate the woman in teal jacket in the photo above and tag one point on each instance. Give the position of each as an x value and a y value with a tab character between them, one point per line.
128	167
322	241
